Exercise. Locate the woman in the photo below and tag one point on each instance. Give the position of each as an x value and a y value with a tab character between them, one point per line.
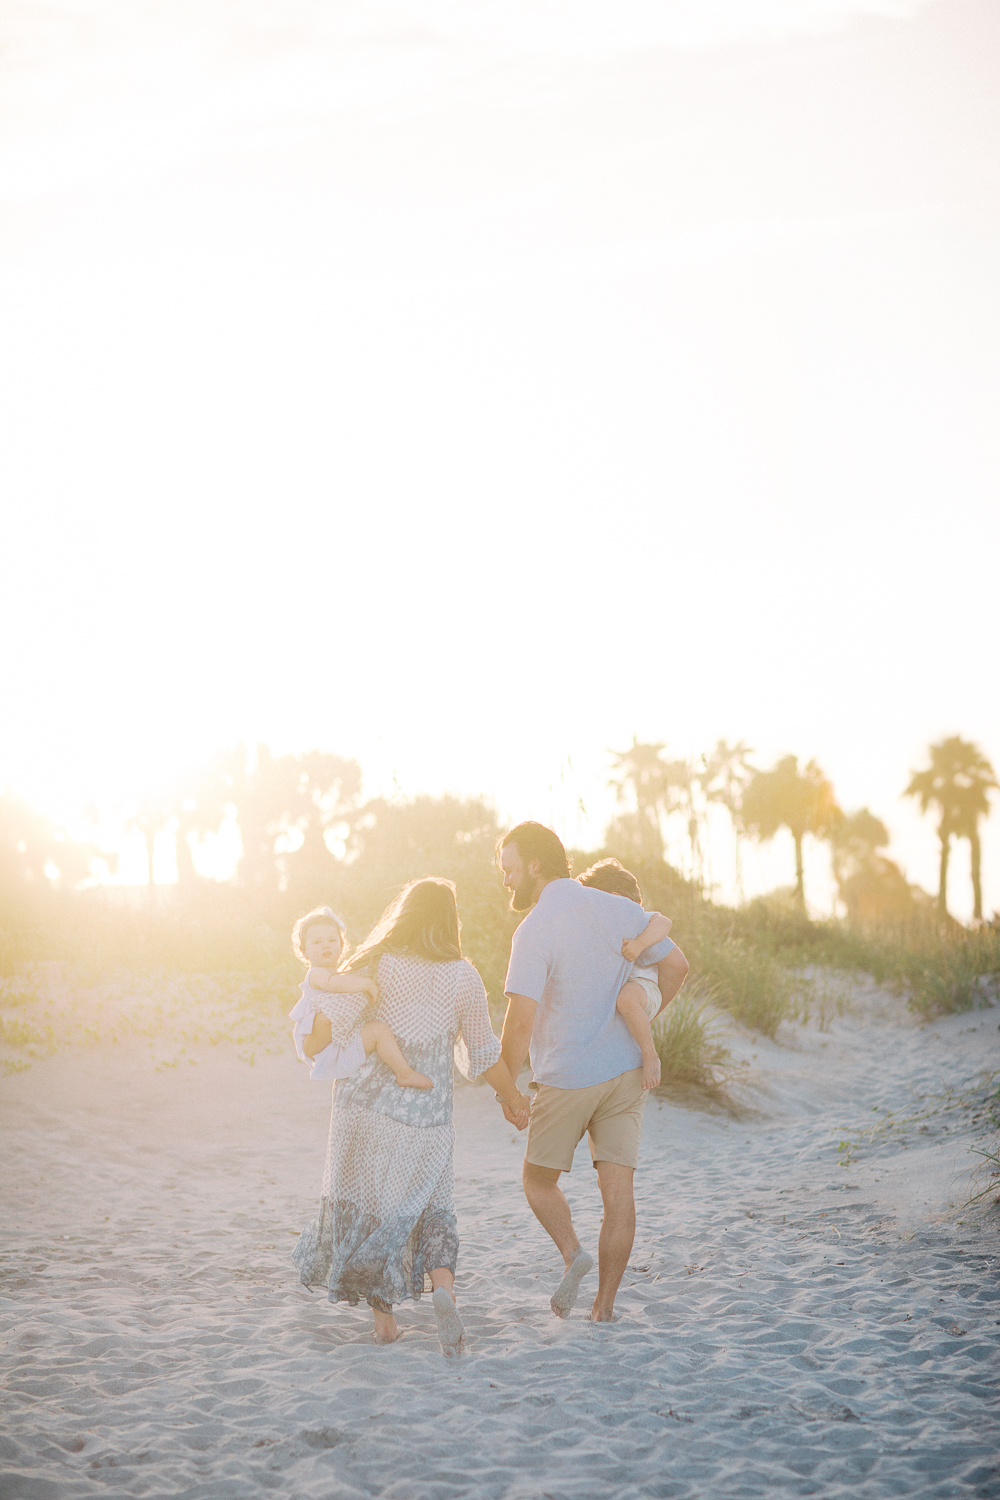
386	1218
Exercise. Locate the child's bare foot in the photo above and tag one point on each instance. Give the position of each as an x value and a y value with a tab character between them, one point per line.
411	1079
651	1072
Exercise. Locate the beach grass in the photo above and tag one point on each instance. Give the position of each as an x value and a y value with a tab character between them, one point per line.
53	1005
759	963
942	971
752	986
687	1041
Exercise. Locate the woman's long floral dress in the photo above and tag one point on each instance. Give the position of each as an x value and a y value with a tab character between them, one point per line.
387	1212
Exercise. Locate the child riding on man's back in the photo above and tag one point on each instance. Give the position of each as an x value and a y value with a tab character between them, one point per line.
318	940
639	999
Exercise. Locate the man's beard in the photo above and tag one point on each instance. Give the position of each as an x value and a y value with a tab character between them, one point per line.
520	896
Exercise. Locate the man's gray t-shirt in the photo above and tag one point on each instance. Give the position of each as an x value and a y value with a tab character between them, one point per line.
567	956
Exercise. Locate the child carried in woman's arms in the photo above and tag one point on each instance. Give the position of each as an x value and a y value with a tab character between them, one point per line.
318	940
639	1000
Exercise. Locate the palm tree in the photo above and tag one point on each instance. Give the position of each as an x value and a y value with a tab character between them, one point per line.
262	788
727	771
957	783
34	852
326	791
801	801
856	842
642	775
872	887
275	795
683	781
150	816
199	800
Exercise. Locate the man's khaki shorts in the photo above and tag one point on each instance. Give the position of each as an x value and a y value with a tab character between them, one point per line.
610	1112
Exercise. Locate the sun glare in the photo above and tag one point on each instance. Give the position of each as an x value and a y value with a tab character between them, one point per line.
468	402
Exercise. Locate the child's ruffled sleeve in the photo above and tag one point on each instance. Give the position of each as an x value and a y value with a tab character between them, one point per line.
476	1046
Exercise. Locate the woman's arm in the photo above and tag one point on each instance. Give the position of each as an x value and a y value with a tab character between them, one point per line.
335	1019
656	929
477	1051
518	1024
341	984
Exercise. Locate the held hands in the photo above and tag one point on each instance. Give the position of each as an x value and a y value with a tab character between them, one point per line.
520	1116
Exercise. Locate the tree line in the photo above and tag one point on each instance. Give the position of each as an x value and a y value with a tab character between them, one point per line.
955	787
303	822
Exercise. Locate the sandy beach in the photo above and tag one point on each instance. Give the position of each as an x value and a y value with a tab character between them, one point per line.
808	1310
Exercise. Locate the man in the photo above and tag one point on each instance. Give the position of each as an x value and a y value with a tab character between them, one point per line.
566	968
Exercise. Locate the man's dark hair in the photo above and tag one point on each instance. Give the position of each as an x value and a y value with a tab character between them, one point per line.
535	841
609	875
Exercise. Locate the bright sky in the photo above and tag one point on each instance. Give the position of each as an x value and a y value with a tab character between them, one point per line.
467	386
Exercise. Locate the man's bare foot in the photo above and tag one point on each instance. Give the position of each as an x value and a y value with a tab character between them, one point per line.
604	1315
565	1294
651	1072
450	1330
411	1079
387	1330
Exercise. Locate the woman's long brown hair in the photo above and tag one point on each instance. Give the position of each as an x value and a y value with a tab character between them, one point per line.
422	922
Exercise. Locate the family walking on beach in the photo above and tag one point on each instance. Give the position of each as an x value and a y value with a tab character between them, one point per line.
589	970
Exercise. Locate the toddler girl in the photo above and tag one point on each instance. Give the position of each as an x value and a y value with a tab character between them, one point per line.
318	940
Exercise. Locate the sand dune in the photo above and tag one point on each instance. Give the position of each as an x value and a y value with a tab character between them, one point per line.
791	1324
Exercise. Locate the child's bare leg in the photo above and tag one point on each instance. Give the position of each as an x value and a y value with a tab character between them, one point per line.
631	1006
321	1036
377	1037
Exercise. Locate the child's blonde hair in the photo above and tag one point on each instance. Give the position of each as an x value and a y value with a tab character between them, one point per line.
611	875
318	915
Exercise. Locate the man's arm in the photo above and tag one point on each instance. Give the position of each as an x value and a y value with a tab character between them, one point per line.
518	1024
656	929
671	973
516	1106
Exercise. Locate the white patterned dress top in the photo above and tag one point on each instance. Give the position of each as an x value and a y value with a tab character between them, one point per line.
386	1215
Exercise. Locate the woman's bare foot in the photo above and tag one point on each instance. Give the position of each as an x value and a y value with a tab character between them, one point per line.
450	1330
411	1079
386	1328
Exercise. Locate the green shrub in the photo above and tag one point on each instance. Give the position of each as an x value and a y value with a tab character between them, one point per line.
943	970
172	1013
745	956
748	982
686	1041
